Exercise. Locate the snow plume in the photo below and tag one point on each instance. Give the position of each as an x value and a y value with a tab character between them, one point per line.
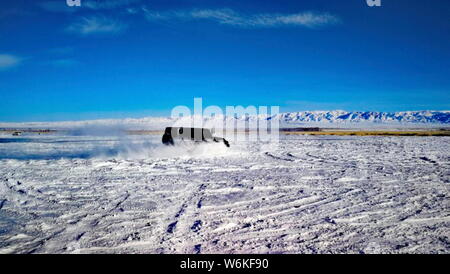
132	149
112	141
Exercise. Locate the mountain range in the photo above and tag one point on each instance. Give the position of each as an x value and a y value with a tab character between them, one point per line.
335	118
340	116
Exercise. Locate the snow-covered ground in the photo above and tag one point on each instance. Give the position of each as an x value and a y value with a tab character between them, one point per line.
308	194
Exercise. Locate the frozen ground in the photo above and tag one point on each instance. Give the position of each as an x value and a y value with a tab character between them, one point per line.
310	194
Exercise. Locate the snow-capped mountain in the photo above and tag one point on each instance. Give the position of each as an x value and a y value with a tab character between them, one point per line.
340	116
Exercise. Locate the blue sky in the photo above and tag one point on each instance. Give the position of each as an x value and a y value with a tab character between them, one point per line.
131	58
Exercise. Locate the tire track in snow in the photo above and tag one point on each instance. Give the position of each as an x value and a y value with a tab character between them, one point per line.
2	203
76	231
277	157
193	200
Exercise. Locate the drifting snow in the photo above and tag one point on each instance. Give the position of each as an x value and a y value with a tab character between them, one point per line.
309	194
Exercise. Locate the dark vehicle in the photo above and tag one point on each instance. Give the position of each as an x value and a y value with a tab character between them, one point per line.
189	133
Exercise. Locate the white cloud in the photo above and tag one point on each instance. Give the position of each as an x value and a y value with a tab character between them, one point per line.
96	25
307	19
230	17
8	61
223	16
